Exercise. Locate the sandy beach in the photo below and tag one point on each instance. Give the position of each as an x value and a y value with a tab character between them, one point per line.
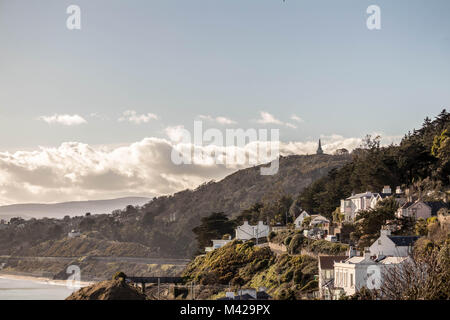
41	280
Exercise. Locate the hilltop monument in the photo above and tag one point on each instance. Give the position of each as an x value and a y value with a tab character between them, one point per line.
319	149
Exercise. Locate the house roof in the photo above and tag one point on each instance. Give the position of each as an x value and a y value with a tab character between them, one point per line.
407	204
393	260
361	195
327	262
403	241
436	206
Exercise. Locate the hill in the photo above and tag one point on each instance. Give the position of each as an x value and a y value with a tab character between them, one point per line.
73	208
165	223
245	265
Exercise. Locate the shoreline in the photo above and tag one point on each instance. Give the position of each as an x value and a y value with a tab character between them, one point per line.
41	280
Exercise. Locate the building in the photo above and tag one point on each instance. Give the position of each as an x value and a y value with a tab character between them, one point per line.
387	192
420	209
318	220
299	220
368	200
319	149
355	203
326	275
357	272
217	244
248	294
74	234
388	245
247	231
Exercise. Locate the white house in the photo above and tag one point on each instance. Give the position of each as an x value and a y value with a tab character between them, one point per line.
217	244
395	246
352	274
352	205
368	200
357	272
299	220
74	234
247	231
326	275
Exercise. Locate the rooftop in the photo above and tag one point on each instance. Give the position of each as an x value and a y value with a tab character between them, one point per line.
327	262
403	241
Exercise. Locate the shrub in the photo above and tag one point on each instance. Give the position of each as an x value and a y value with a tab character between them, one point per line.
119	275
271	236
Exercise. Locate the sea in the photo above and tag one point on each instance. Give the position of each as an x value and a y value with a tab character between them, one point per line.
21	289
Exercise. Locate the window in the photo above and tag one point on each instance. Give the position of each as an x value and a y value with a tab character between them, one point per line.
379	242
351	280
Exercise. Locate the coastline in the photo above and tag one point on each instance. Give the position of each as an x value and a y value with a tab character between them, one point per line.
41	280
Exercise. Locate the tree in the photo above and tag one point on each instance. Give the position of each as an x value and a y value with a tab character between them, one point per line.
421	227
215	226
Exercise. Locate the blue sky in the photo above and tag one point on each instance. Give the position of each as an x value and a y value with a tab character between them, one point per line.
179	59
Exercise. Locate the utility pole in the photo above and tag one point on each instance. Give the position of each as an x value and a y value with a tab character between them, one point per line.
159	283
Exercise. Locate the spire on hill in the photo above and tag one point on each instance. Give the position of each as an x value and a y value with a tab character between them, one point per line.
319	149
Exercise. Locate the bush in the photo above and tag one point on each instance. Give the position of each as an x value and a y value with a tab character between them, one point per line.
119	275
287	240
271	236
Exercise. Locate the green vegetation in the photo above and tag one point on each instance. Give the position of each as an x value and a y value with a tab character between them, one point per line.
421	155
245	265
215	226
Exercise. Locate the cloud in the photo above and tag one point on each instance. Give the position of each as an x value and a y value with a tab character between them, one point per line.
78	171
219	120
267	118
64	119
133	117
297	118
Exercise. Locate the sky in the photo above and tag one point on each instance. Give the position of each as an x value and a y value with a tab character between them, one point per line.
91	113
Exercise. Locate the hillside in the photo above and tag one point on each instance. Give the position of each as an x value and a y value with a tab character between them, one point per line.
165	224
246	265
73	208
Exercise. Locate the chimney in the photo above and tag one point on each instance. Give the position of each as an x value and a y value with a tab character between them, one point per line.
351	252
385	232
366	254
387	190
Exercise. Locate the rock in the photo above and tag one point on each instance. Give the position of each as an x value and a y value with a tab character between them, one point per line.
108	290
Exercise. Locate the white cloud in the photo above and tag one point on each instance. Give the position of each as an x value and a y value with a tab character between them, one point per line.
63	119
297	118
133	117
267	118
220	120
175	133
78	171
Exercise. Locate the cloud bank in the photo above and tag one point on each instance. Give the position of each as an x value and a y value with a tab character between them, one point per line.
78	171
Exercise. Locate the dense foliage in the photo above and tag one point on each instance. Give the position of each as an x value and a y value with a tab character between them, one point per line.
244	264
422	154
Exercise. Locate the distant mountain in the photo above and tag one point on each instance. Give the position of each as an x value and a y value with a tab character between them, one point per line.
73	208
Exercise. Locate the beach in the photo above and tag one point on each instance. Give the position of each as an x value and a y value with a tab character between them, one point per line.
15	287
